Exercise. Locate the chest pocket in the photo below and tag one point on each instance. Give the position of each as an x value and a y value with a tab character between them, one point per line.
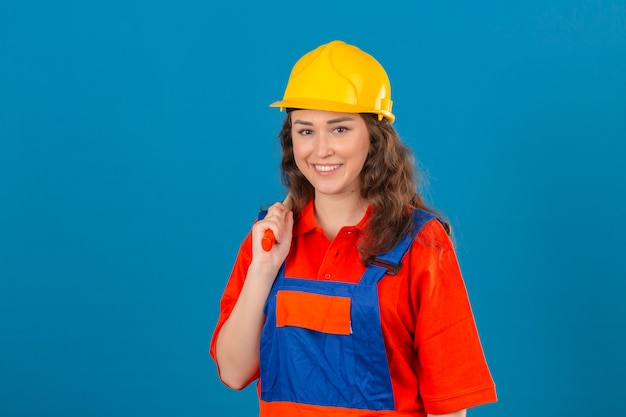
322	313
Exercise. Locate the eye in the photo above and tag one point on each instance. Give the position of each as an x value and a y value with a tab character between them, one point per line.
340	129
304	132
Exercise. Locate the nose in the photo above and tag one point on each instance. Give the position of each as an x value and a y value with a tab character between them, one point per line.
323	146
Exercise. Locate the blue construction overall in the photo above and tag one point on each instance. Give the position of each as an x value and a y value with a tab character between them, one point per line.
322	343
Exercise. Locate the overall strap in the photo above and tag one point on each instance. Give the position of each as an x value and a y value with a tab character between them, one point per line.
391	261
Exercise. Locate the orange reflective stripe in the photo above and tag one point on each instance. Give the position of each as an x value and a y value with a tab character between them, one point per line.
282	409
323	313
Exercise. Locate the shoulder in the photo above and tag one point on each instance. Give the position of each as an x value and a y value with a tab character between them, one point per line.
432	231
432	249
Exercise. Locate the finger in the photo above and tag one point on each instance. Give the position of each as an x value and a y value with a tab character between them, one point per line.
276	209
286	229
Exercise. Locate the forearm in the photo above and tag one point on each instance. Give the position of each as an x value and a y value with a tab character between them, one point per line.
460	413
237	346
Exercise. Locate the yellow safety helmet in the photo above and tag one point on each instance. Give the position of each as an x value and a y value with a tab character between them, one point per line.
338	77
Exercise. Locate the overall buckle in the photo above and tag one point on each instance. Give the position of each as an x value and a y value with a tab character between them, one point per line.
392	269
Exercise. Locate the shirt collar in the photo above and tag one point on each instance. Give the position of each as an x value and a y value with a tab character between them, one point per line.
306	220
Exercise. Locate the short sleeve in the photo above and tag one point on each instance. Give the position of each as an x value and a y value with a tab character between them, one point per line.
451	365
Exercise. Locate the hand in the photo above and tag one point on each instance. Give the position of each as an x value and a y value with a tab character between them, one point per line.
280	221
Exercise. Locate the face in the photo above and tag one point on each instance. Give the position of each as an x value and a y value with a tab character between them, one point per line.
330	150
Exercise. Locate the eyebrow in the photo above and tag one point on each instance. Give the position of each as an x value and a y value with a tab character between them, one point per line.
329	122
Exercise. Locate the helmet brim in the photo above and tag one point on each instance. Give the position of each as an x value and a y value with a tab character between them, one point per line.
327	105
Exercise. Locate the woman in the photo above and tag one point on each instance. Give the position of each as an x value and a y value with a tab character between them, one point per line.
359	308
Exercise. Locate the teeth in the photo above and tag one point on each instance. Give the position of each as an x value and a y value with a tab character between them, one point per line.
326	168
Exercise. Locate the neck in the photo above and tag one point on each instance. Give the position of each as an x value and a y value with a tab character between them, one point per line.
334	212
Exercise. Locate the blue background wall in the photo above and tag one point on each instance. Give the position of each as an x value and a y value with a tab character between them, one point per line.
136	145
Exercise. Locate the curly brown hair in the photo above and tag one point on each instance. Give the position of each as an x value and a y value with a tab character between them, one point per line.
388	182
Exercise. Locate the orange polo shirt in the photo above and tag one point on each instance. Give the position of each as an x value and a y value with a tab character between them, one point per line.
435	357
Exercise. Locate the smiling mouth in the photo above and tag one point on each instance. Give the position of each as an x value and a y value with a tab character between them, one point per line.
326	168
